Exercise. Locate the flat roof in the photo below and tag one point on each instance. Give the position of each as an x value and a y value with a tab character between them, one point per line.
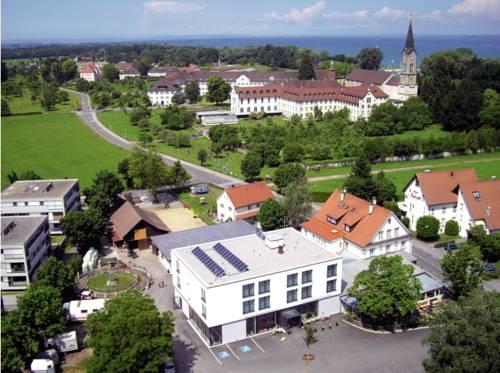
211	233
16	230
298	251
38	189
428	283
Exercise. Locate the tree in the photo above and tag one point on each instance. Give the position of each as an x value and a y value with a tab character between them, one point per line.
297	203
176	118
464	335
271	215
5	108
251	166
386	292
179	175
202	156
490	112
451	228
218	90
226	137
129	335
293	152
288	173
18	345
306	67
82	85
54	272
386	190
84	229
48	99
110	72
123	167
463	269
461	107
414	114
360	182
178	98
142	66
103	193
192	91
5	72
309	339
370	58
428	228
69	69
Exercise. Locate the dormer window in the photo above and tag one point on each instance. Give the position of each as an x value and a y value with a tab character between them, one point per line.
476	196
331	220
347	228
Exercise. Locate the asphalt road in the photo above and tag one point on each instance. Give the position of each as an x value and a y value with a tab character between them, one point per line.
198	174
428	258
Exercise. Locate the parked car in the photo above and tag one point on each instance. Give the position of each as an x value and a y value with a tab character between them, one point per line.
167	366
489	267
451	246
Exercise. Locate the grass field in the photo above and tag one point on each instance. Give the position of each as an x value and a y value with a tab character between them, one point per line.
434	130
55	145
24	105
123	280
205	211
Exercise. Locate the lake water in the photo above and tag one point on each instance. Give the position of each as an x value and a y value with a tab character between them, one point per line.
483	46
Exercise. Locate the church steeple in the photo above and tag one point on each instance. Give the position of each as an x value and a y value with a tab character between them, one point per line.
410	44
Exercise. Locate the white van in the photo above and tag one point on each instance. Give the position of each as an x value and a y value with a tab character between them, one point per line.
79	310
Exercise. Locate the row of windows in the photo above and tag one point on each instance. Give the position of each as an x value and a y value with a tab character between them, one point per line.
264	287
292	279
388	233
249	305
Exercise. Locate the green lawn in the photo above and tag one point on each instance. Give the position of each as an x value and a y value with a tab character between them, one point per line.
24	105
205	211
55	145
122	281
434	130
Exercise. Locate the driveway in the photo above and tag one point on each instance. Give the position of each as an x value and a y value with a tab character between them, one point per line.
429	257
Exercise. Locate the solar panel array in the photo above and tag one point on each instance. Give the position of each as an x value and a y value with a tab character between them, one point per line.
208	262
230	257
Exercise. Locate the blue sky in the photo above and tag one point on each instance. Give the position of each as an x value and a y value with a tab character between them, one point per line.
110	19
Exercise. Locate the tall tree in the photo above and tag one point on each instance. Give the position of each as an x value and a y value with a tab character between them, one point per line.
370	58
490	112
18	344
202	156
122	168
306	67
297	203
103	193
289	173
461	107
130	335
360	181
192	91
218	90
464	335
251	166
179	175
271	215
54	272
110	72
142	65
69	69
84	229
5	108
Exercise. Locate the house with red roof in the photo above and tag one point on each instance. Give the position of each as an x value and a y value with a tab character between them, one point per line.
435	193
242	202
349	224
127	70
91	72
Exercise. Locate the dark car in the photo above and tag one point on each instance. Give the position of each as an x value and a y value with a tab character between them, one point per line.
489	267
451	246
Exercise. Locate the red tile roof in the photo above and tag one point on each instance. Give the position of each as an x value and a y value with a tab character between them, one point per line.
394	81
368	76
90	68
128	216
439	187
352	211
126	68
249	194
246	215
486	205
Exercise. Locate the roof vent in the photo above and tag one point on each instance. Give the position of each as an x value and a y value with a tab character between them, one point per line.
488	211
8	228
427	170
274	241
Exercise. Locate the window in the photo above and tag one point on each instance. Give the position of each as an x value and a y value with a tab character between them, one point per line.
307	276
331	270
264	302
380	235
248	306
203	295
396	232
41	203
247	290
347	228
264	286
177	267
291	280
178	282
331	286
204	311
291	296
444	210
307	292
388	233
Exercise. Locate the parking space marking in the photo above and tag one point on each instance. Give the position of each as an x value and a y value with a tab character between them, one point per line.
230	349
215	357
254	341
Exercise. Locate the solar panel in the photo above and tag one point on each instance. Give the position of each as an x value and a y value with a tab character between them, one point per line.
208	262
230	257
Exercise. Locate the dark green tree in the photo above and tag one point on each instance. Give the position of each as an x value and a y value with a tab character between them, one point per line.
297	203
192	91
84	229
82	85
293	152
490	112
428	228
69	69
461	107
414	114
251	166
48	98
288	173
464	335
123	171
218	90
370	58
386	190
176	118
18	344
5	108
306	67
463	269
178	98
142	65
103	193
451	228
130	335
179	175
54	272
360	181
271	215
110	72
202	156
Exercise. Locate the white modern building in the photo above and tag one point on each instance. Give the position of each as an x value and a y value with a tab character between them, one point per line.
348	224
435	193
91	72
162	92
239	287
25	245
242	202
51	198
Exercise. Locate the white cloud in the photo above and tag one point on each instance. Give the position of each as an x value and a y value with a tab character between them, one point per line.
490	8
392	13
171	7
296	15
359	15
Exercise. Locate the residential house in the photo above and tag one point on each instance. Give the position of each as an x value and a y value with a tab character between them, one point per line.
239	287
347	223
51	198
91	72
127	70
242	202
25	246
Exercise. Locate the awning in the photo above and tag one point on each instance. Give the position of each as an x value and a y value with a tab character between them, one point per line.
290	314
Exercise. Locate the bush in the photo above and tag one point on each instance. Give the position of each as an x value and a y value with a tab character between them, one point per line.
451	228
428	228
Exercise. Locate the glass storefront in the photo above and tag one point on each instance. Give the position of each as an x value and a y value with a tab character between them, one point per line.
211	335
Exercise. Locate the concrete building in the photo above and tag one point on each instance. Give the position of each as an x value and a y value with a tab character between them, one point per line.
25	245
91	72
162	92
350	224
250	284
52	198
242	202
435	193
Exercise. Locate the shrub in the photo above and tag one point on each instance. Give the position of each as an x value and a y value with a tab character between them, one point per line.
451	228
428	228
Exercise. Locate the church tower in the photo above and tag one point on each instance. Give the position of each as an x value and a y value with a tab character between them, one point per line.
408	77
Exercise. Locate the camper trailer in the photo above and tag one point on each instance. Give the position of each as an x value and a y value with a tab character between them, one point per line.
65	342
79	310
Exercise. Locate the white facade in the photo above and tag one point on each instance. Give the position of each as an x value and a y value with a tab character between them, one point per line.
253	300
161	98
25	246
51	198
91	72
129	75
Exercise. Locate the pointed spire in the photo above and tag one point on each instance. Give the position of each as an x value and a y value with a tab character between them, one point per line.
410	44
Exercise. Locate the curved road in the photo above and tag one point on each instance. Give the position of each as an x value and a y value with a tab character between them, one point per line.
198	174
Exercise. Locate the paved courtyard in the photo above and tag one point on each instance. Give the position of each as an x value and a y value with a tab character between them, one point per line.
341	348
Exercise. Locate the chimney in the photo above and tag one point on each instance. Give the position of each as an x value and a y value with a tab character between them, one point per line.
488	211
342	195
371	204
